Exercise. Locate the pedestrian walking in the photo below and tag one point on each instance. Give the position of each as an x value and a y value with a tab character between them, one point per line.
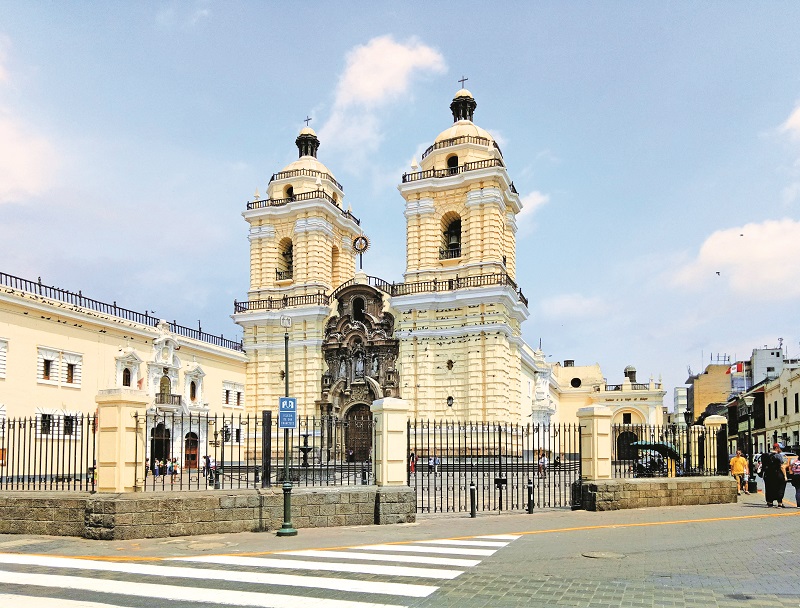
412	462
773	468
794	469
431	464
542	464
206	466
738	466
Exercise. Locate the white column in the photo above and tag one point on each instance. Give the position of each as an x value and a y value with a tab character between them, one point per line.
390	418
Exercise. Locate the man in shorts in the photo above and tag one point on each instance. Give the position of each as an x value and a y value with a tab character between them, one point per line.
739	472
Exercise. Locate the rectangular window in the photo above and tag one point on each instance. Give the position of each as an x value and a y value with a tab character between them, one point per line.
769	412
3	354
776	410
785	407
45	424
238	399
47	369
70	373
69	425
796	403
227	396
626	418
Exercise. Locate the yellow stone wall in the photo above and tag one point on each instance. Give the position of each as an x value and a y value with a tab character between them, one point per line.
487	232
28	321
265	345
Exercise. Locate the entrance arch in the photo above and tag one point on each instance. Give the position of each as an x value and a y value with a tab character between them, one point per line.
190	443
624	449
159	443
358	433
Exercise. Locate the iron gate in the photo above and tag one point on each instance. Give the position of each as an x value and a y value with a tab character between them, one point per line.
455	466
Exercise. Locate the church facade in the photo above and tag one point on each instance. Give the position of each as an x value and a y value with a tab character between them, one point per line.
447	339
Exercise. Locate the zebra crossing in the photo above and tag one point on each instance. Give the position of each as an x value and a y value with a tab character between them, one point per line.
365	576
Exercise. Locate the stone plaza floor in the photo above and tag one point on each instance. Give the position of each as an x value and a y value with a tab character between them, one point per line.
734	555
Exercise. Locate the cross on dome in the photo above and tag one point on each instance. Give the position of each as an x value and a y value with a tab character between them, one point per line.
307	120
463	80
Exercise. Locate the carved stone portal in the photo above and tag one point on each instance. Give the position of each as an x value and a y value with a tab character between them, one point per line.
360	352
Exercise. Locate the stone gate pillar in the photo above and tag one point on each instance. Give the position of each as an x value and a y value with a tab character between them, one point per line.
596	439
118	443
390	418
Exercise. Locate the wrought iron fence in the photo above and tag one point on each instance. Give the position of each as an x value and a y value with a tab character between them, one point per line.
459	466
240	450
643	450
48	452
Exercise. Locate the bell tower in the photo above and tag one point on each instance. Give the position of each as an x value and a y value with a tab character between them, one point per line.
459	320
300	250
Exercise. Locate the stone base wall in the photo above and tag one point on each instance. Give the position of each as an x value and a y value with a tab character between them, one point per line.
158	515
614	494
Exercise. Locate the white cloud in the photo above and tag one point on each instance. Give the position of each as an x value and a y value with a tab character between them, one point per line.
531	202
377	74
759	260
27	158
573	305
792	124
790	194
5	43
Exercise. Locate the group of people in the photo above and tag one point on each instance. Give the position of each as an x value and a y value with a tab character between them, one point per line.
775	469
433	463
166	467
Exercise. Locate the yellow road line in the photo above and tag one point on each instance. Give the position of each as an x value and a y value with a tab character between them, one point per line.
121	558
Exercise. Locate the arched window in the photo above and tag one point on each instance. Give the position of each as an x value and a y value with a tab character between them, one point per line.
358	309
126	377
285	269
193	391
452	239
165	386
289	192
452	164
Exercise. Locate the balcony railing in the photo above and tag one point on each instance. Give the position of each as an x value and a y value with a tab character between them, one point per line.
303	196
449	254
319	299
142	318
393	289
167	399
463	139
284	275
305	173
438	173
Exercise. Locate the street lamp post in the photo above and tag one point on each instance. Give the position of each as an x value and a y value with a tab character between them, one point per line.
752	485
689	418
286	529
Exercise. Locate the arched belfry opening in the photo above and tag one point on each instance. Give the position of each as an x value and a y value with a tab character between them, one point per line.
358	309
452	164
451	237
285	269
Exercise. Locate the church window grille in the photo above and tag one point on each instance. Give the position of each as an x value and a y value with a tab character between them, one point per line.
126	377
45	426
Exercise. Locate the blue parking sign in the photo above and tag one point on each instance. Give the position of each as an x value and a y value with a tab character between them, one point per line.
287	413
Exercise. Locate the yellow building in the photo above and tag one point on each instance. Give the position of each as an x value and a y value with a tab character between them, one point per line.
58	349
448	339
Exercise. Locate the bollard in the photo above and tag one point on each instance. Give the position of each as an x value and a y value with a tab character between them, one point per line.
473	498
363	476
530	495
257	478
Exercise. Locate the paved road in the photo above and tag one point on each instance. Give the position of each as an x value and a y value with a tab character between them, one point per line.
742	555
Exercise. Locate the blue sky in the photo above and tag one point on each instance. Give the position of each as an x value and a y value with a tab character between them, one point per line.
654	146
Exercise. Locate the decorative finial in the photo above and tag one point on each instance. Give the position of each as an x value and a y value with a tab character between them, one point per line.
256	196
414	165
307	120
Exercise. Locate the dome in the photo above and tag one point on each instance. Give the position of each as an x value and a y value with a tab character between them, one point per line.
308	131
463	127
309	163
462	93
